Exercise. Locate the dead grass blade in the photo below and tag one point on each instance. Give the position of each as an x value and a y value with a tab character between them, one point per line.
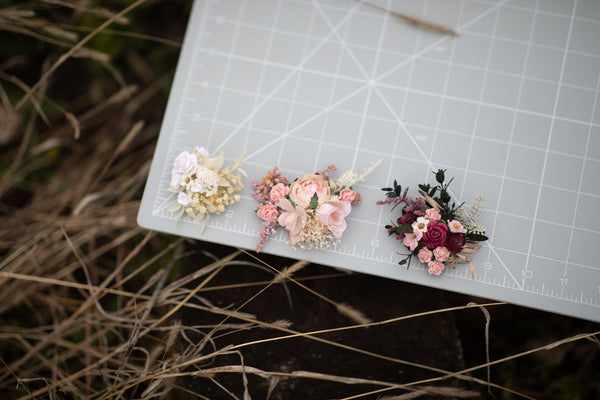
344	309
74	50
139	324
487	342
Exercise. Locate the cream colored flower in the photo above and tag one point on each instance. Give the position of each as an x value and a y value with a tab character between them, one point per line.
184	199
175	180
185	163
201	151
207	181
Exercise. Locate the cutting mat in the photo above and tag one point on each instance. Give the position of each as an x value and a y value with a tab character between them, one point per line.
509	107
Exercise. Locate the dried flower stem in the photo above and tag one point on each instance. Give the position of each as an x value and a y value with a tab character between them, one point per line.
418	22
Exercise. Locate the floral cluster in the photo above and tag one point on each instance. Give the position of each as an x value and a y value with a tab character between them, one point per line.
313	209
438	233
203	185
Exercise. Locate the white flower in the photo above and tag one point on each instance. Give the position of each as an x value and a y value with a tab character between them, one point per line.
206	180
175	179
420	225
185	163
184	199
201	151
197	187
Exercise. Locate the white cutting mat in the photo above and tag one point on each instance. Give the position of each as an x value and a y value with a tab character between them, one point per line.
509	107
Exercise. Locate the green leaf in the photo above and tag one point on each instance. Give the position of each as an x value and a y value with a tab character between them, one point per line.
404	228
424	187
314	201
477	237
445	196
439	175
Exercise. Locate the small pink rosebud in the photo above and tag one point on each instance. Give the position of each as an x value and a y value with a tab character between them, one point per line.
425	255
441	253
278	192
435	268
347	195
268	212
432	214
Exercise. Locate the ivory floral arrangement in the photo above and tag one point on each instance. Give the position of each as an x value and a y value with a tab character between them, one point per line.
439	233
312	209
203	185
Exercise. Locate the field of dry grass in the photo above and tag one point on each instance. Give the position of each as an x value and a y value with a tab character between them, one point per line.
94	307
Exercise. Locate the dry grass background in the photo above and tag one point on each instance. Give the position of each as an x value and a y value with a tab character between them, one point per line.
94	307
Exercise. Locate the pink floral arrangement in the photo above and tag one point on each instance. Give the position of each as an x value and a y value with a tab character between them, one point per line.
438	233
313	209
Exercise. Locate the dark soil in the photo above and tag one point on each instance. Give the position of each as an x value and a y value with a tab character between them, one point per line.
432	341
443	340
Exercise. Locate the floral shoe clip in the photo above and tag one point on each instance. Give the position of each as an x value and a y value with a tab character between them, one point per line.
313	209
203	185
438	233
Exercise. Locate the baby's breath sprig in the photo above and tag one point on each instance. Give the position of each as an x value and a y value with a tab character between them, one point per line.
349	178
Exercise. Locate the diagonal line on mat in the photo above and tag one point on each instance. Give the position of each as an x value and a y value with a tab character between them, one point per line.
439	41
366	75
412	139
409	134
294	71
322	112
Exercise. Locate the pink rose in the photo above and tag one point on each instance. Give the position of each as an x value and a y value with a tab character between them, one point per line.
347	195
268	212
441	253
432	214
425	255
456	227
411	240
435	268
303	190
435	235
278	192
292	219
332	215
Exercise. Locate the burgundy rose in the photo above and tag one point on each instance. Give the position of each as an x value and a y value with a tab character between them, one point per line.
455	242
435	236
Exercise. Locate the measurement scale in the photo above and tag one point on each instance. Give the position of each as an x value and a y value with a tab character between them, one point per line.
510	107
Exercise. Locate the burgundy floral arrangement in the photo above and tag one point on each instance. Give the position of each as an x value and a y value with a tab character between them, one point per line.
313	209
439	233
